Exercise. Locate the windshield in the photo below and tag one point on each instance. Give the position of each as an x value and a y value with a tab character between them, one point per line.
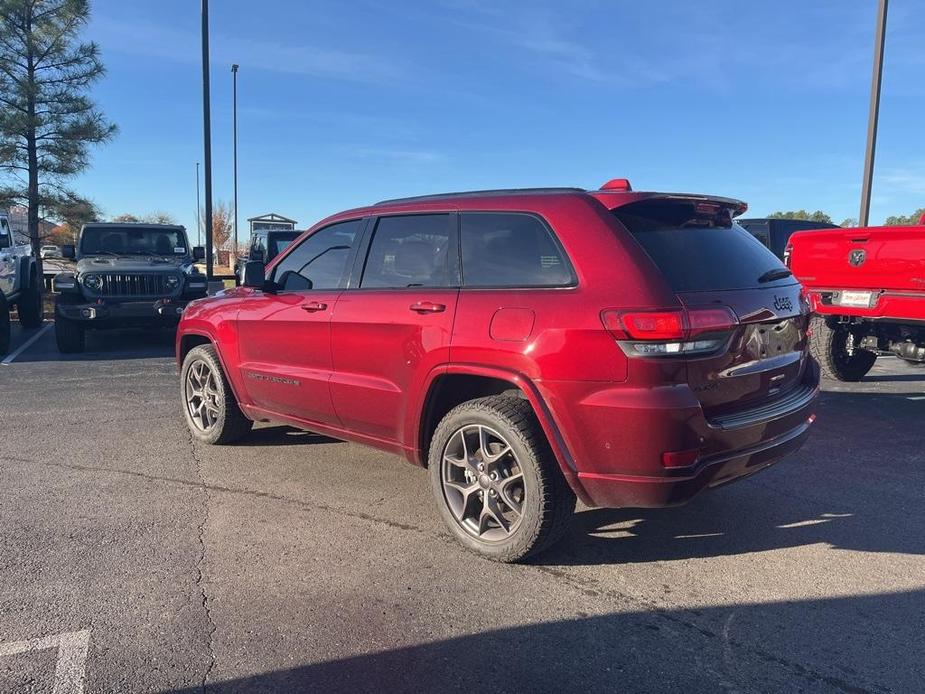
280	242
697	252
132	240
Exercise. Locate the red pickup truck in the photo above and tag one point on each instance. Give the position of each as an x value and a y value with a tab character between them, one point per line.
867	289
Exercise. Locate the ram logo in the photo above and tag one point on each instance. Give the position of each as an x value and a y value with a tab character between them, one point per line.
857	257
783	303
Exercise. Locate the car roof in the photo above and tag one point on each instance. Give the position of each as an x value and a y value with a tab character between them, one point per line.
524	199
139	225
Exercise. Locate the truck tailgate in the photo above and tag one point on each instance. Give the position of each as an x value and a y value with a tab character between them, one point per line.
875	258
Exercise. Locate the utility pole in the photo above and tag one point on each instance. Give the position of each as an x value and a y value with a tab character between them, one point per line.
207	135
874	116
234	73
198	210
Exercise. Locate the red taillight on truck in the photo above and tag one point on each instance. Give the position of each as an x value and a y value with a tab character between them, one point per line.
673	332
788	252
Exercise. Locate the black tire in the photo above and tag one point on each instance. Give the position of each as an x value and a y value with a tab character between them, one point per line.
70	336
829	345
547	502
229	424
5	328
29	306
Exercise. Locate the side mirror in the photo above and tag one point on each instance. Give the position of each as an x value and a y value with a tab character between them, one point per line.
292	281
254	274
199	253
68	251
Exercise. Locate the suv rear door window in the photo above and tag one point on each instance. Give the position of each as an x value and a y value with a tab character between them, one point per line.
320	261
697	252
511	250
409	251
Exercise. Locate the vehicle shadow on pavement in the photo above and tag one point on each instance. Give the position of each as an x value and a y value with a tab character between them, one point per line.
269	435
733	647
842	495
106	345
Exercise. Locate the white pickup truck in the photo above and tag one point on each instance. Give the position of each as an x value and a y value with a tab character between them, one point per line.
20	284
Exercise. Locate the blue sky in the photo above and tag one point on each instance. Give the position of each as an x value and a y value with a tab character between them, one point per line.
345	103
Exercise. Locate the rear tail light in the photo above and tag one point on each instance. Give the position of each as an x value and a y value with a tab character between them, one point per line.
788	251
673	332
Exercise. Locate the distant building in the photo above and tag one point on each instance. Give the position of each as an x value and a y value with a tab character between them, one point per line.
271	222
19	222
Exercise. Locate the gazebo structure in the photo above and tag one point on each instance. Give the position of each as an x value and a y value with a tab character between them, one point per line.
271	222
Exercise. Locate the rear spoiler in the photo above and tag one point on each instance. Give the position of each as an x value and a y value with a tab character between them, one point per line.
613	200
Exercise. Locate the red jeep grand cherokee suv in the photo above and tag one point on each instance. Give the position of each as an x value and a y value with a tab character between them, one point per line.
527	346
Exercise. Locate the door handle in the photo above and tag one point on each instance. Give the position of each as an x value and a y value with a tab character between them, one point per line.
314	306
427	307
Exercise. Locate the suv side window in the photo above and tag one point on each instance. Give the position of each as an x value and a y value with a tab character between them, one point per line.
320	261
502	249
6	238
410	251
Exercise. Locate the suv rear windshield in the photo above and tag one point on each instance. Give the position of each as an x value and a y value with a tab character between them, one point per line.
130	240
699	250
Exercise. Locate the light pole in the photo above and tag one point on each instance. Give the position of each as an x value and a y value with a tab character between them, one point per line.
207	135
874	115
198	210
234	77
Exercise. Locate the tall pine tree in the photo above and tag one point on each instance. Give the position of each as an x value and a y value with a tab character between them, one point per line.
47	119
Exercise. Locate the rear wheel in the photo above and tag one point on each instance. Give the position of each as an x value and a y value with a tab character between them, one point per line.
70	336
209	406
29	305
5	335
497	483
836	351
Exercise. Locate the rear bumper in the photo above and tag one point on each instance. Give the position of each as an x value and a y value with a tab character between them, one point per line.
654	492
889	305
617	436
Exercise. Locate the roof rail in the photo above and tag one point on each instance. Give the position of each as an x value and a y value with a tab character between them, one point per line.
481	193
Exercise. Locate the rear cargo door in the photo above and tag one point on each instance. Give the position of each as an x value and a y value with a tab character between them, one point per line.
711	262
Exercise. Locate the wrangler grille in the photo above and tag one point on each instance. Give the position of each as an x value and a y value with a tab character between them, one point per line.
118	284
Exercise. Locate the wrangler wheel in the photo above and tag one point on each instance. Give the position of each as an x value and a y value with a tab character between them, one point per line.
29	307
209	406
498	485
5	330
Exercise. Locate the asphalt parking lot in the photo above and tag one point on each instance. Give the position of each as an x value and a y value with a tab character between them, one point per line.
132	560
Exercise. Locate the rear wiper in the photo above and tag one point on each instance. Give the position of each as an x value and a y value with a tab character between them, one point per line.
777	273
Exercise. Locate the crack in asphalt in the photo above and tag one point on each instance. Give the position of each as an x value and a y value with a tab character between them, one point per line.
588	586
200	533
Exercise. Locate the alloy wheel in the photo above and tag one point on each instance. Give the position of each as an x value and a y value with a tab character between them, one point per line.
202	395
483	483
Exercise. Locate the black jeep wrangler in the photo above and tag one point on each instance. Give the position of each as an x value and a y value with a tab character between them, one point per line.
128	275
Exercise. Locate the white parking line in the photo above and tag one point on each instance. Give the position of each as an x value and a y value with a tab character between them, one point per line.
917	397
8	359
72	657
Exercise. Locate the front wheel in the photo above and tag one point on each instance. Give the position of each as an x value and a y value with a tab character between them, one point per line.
70	336
837	352
497	483
209	406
